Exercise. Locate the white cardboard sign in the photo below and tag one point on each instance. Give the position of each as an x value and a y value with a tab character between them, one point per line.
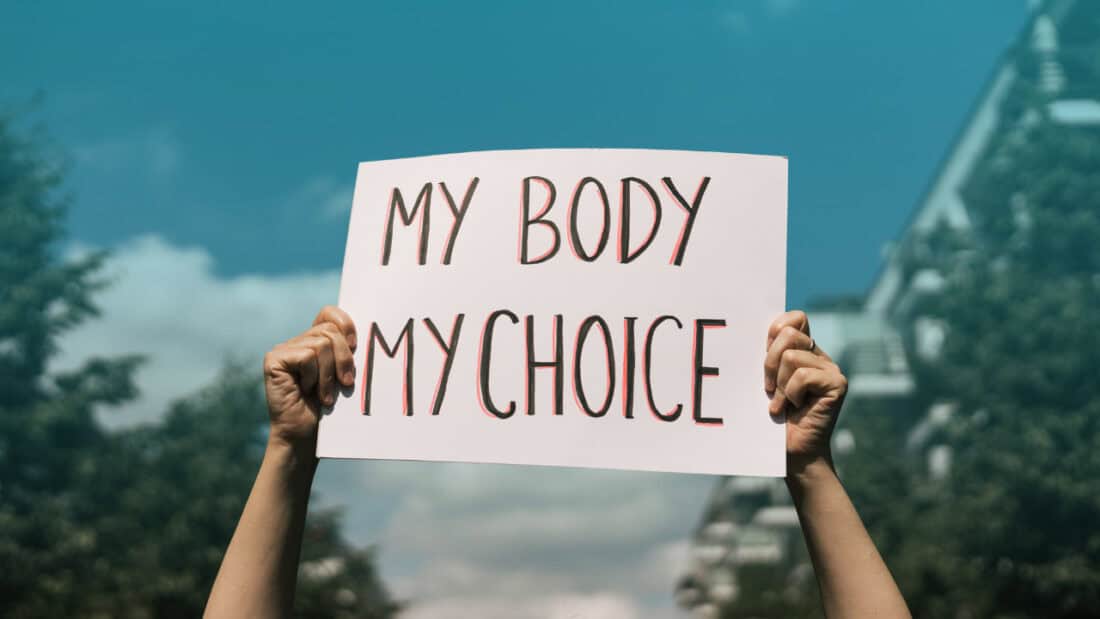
579	307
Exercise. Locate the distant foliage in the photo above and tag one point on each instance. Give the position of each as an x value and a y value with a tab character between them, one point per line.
1011	530
133	523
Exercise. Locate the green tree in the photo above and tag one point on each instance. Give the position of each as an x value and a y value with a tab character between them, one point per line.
48	433
130	523
1021	300
179	487
1010	529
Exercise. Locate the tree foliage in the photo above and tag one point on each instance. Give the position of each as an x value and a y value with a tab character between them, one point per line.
131	523
1010	529
1024	340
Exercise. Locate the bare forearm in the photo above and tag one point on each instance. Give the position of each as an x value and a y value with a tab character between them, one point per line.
258	574
852	576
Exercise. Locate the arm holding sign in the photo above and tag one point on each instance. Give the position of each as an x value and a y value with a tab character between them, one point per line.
258	574
805	383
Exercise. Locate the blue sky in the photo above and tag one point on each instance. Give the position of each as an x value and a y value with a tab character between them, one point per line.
213	148
252	116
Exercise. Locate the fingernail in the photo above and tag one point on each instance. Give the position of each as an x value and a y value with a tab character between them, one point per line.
351	341
349	377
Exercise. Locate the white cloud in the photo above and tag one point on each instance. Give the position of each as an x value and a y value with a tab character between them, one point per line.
599	605
782	8
166	302
458	540
666	563
155	152
461	589
522	537
736	21
596	512
325	195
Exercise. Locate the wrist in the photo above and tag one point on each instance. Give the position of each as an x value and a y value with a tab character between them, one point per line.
809	471
295	455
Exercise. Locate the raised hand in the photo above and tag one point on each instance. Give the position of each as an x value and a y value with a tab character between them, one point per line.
303	374
804	383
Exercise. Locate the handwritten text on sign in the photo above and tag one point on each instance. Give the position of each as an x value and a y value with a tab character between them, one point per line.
595	307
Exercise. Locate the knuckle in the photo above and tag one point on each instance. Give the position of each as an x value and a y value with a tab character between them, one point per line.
270	361
798	375
776	326
323	314
317	342
332	331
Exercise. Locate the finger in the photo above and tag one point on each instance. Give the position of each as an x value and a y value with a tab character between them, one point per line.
326	369
792	361
819	351
807	382
796	319
786	339
301	362
326	364
340	318
341	351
